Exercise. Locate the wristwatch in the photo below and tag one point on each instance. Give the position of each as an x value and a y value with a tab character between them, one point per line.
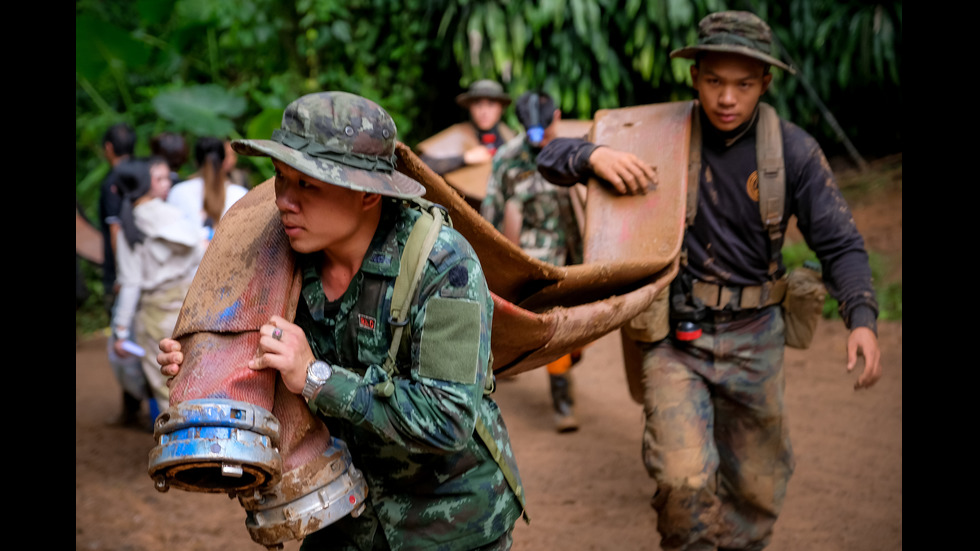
316	374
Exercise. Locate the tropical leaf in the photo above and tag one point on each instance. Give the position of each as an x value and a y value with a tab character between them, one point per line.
204	110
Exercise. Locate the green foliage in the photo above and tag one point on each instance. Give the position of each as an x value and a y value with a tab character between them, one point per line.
205	110
229	67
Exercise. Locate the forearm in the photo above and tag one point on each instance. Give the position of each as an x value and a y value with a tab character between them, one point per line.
127	275
125	309
422	417
828	226
565	161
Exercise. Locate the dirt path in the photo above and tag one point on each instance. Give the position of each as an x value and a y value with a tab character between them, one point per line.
587	490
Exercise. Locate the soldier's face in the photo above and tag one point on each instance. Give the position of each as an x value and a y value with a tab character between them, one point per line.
486	113
729	86
318	216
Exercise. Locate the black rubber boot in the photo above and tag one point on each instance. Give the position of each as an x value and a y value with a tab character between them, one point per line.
561	399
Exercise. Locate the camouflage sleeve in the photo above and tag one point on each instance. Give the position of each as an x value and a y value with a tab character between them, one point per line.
826	222
492	208
565	161
438	384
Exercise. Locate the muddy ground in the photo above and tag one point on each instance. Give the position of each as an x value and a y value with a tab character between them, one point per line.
586	490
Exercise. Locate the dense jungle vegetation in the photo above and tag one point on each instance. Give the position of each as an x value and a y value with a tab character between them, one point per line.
228	67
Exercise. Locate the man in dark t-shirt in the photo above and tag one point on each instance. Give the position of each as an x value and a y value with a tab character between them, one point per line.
716	439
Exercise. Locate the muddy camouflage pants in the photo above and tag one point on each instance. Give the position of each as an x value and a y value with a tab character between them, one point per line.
716	439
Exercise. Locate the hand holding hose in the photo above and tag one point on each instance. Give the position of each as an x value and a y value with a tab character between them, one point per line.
283	347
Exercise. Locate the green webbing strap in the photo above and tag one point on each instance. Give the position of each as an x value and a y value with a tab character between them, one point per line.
416	253
498	457
772	178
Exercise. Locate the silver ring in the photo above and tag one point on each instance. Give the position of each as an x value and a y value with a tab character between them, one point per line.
277	333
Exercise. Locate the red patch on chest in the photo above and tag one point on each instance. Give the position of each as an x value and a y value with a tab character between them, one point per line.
365	322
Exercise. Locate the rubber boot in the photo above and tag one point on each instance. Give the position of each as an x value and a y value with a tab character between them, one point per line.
561	398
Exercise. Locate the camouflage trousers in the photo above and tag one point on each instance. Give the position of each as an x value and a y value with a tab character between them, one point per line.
716	440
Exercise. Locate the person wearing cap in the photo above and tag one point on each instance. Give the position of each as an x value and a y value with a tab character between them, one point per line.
538	217
475	141
715	439
433	483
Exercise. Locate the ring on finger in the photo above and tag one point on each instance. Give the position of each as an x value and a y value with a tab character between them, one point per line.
277	333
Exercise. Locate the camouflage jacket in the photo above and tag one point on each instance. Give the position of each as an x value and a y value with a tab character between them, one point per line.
548	229
431	480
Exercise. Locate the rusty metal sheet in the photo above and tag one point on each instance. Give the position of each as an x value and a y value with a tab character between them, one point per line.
471	181
450	142
642	232
632	234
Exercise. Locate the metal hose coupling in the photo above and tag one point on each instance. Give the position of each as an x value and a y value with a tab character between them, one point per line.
307	498
215	446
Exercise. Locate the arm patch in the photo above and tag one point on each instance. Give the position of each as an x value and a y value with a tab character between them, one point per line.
450	340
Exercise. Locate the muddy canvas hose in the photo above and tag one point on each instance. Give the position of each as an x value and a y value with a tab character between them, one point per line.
542	311
233	430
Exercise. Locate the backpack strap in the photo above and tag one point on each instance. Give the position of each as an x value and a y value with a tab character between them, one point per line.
693	165
498	457
772	179
416	253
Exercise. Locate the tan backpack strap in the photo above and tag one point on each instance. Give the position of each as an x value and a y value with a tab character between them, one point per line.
498	457
416	253
694	164
772	179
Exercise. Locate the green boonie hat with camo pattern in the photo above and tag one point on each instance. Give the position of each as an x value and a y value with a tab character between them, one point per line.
341	139
738	32
483	89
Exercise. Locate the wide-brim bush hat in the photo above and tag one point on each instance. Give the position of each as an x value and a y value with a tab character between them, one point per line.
341	139
481	89
738	32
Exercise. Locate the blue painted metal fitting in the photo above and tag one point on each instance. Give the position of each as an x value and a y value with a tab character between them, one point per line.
307	498
215	446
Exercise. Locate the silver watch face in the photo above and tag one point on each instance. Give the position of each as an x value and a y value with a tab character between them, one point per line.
320	371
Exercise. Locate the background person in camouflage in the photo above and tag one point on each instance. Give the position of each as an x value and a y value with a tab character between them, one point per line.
432	482
716	438
538	217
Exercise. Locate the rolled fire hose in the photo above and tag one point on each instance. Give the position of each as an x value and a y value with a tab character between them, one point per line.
233	430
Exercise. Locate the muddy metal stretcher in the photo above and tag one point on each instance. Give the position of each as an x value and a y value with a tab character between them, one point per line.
236	431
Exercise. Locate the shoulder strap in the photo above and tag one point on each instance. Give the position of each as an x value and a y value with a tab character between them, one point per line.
417	248
694	164
772	179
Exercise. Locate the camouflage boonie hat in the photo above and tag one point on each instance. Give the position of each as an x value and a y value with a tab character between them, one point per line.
483	89
738	32
341	139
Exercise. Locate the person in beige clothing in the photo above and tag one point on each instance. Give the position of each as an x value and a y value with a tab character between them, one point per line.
156	261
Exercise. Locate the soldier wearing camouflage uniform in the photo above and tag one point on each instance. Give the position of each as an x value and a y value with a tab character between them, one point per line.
538	217
716	438
432	481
